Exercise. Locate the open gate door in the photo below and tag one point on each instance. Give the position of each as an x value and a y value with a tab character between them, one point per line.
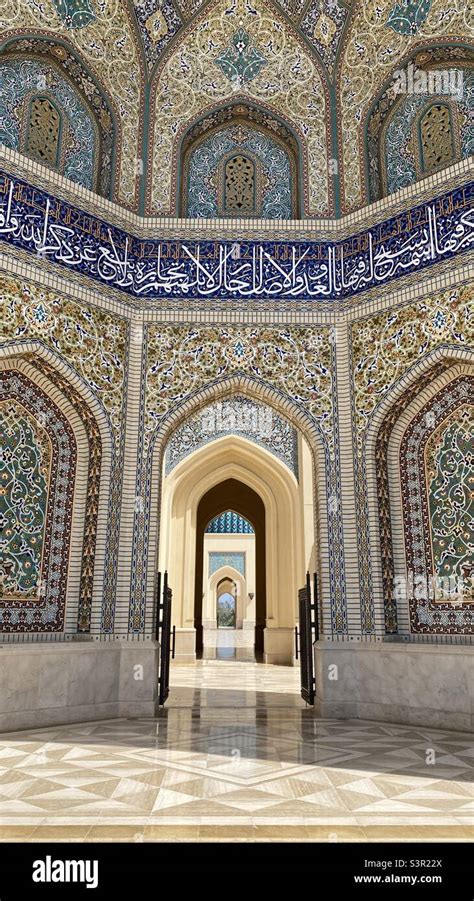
308	634
163	636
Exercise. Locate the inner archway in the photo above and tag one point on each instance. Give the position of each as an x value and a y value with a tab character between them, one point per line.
226	605
232	494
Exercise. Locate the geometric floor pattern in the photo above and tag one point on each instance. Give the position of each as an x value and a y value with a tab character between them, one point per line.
236	755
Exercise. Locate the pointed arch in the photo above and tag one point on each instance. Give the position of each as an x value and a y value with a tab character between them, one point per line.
188	82
435	367
67	390
255	118
65	59
262	392
426	55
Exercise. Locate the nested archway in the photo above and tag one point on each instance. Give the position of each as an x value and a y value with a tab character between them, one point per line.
234	473
241	584
398	151
90	133
236	495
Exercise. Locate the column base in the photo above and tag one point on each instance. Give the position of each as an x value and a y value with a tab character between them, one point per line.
185	650
278	646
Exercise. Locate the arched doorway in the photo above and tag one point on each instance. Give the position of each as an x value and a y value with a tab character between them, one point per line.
226	605
234	473
232	494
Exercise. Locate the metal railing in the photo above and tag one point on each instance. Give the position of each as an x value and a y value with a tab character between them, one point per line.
373	638
61	637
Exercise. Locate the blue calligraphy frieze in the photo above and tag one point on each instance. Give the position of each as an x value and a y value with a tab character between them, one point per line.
161	269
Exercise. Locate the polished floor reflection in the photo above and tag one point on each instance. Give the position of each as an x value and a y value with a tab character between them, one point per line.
236	755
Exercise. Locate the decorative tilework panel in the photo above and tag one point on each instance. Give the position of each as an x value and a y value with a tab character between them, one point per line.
402	154
158	22
235	560
95	343
75	13
110	49
75	72
293	363
37	511
24	480
449	462
372	51
384	347
93	486
191	81
206	181
406	17
322	24
240	61
296	360
436	471
24	79
91	339
383	493
151	269
229	523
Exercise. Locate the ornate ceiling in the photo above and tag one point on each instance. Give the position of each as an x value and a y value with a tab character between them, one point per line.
317	66
320	22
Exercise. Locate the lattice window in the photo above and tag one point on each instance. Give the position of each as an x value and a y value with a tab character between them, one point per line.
44	129
437	143
239	186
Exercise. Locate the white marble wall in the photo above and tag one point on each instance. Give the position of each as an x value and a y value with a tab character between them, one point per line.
44	684
427	685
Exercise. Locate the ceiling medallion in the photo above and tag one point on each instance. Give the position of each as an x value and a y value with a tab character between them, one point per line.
241	62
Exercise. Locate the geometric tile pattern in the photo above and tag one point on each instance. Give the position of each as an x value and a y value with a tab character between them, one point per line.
235	746
229	522
217	560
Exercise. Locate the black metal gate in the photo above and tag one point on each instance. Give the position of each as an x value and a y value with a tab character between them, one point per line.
308	633
163	635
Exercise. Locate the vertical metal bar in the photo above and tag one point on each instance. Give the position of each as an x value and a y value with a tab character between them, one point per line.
316	607
157	605
165	641
306	642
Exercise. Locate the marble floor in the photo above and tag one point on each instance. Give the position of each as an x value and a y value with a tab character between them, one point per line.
236	756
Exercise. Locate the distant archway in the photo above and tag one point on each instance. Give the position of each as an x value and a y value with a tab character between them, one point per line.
226	605
236	495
